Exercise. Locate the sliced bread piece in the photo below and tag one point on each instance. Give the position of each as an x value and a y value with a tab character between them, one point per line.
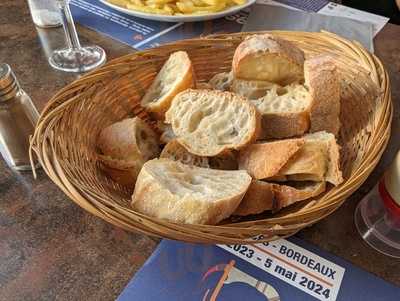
124	147
265	160
317	160
251	89
174	151
208	123
262	196
322	80
180	193
221	81
130	139
121	171
285	112
259	197
268	58
175	76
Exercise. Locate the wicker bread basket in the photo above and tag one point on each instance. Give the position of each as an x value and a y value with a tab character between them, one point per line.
65	136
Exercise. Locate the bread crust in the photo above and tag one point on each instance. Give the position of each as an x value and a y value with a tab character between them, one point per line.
264	160
322	80
155	198
284	125
262	196
270	48
159	107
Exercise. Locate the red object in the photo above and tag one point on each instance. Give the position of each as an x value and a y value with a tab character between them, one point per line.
390	204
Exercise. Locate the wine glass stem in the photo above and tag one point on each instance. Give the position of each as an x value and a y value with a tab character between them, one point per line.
69	26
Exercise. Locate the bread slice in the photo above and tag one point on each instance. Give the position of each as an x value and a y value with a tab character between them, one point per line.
175	76
285	112
130	139
121	171
251	89
259	197
262	196
265	160
124	146
322	80
208	122
221	81
317	160
268	58
174	151
180	193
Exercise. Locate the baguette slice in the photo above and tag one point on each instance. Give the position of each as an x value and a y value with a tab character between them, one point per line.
268	58
130	139
317	160
121	171
208	123
265	160
322	80
285	112
174	151
251	89
125	146
181	193
262	196
221	81
175	76
167	134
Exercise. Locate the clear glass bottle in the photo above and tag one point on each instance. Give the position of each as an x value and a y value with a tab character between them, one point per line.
45	13
18	117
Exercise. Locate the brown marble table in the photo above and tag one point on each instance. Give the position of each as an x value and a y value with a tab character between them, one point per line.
50	249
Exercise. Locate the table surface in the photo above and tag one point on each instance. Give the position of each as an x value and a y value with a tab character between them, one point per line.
50	249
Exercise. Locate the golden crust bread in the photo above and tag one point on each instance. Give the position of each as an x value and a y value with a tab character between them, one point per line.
124	147
180	193
175	76
268	58
262	196
129	139
208	122
322	80
264	160
317	160
259	197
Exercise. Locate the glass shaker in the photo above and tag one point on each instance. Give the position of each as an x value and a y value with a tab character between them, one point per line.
18	117
377	216
45	13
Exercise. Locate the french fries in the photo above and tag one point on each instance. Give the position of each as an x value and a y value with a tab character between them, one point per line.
177	7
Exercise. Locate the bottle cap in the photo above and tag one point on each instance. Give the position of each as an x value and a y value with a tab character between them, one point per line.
9	85
392	179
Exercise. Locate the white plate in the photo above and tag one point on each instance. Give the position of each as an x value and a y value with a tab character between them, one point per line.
188	18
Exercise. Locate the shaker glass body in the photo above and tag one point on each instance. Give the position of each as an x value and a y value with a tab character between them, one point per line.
18	117
45	13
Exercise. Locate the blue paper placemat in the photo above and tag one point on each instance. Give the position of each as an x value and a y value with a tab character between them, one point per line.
282	270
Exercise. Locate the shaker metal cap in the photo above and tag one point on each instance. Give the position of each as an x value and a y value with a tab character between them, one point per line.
392	179
9	85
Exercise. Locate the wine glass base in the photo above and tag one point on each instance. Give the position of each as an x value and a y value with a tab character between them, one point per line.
376	228
78	60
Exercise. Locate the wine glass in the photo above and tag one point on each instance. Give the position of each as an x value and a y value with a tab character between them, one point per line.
74	58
